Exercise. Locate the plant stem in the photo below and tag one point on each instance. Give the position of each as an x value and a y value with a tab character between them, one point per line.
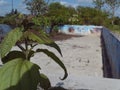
32	46
20	47
26	49
26	44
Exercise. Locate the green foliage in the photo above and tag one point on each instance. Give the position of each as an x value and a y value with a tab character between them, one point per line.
56	28
115	28
37	38
36	7
13	20
44	81
58	14
10	40
19	74
22	74
56	9
42	21
98	4
54	45
10	20
12	55
117	21
113	5
92	16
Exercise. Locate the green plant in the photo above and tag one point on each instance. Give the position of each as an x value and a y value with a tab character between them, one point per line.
17	72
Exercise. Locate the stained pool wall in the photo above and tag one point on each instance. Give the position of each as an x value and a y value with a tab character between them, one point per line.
79	29
110	54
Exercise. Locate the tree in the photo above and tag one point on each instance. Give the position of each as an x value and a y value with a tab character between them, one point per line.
58	14
114	5
36	7
85	14
98	4
13	19
42	21
117	21
73	17
89	16
13	12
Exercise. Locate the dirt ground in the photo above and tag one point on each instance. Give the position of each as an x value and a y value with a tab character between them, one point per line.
61	37
81	56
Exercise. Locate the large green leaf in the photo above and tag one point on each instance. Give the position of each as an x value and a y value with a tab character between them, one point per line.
19	74
45	37
10	40
54	45
44	82
37	37
13	55
56	59
41	38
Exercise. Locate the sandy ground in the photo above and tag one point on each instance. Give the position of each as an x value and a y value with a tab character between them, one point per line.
83	60
81	56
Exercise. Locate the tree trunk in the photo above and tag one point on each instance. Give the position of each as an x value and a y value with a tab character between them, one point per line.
113	13
51	28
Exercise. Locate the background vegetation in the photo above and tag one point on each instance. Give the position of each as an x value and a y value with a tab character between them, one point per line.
52	14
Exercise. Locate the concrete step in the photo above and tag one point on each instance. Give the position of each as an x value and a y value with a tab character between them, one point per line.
87	83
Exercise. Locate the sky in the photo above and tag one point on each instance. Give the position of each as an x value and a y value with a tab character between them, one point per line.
6	5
